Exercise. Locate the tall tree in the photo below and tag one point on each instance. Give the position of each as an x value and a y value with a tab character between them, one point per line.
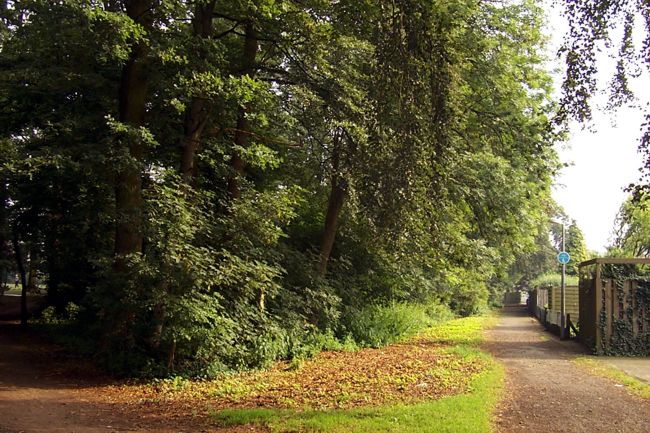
217	182
132	100
576	247
198	111
631	234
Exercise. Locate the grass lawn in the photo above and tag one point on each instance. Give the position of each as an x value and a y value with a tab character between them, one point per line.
17	290
13	290
466	383
599	368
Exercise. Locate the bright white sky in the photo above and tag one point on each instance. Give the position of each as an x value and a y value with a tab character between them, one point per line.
604	161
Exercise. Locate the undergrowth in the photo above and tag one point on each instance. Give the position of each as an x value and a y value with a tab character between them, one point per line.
379	325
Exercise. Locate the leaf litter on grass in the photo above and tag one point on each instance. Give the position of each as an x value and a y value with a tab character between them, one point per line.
417	370
369	377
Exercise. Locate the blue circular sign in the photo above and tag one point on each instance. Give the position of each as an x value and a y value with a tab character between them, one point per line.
563	257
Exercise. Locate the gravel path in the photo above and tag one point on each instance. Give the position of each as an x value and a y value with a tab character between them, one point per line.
546	392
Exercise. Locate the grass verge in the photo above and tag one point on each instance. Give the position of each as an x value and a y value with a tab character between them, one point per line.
469	411
599	368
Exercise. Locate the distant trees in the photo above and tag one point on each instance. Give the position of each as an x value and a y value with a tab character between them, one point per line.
217	184
631	234
576	247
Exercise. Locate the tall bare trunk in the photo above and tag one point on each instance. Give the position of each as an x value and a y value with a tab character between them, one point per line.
132	98
129	202
20	264
242	132
4	230
334	206
31	279
197	113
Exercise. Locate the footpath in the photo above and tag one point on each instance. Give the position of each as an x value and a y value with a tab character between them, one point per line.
545	391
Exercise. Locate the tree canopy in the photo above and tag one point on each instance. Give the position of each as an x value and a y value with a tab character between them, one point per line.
631	234
209	185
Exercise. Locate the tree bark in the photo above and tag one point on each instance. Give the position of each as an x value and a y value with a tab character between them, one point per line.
242	131
18	254
31	279
129	202
197	113
4	230
334	206
132	99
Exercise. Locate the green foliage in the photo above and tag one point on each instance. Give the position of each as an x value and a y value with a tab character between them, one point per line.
431	120
576	247
632	229
624	340
540	259
545	281
49	315
378	325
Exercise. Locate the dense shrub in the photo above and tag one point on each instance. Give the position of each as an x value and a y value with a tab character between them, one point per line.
553	280
378	325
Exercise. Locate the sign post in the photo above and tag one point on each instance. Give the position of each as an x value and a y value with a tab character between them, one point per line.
563	258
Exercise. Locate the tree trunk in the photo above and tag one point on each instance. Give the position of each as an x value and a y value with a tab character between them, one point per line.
197	113
4	230
128	189
18	254
132	98
31	279
242	132
195	119
334	206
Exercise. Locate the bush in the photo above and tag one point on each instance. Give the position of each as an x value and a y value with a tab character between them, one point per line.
50	316
438	312
314	342
553	280
378	325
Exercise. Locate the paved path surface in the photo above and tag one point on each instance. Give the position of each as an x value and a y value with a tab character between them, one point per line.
637	367
546	392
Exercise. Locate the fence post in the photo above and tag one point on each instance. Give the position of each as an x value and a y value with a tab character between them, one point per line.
598	305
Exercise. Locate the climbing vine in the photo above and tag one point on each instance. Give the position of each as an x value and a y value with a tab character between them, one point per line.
625	339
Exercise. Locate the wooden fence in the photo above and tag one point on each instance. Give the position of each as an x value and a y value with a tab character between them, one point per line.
614	305
538	303
571	301
545	304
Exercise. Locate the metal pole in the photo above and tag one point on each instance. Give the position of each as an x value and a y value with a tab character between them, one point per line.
562	292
